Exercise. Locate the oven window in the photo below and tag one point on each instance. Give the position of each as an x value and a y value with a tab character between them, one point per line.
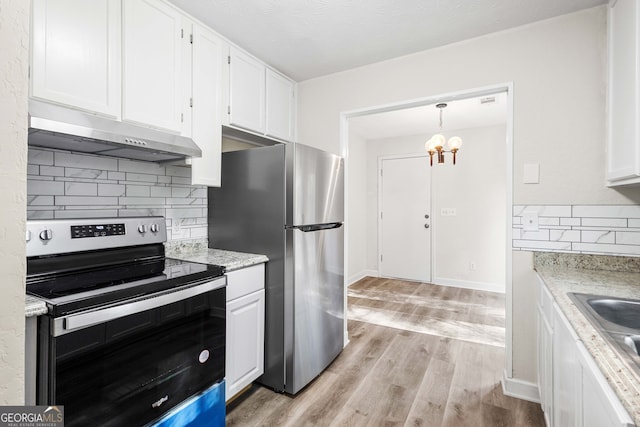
132	370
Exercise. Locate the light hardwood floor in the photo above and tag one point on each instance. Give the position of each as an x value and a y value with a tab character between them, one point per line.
419	355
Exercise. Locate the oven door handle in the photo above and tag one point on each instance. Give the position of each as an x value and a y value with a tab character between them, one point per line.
72	322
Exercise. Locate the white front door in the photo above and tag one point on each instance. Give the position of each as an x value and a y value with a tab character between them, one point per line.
405	218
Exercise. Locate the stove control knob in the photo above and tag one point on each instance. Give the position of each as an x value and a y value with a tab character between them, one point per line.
46	234
154	228
142	229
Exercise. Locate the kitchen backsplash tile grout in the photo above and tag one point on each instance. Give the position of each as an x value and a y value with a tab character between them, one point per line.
579	229
63	184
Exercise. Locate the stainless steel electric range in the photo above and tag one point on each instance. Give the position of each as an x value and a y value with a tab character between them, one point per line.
130	333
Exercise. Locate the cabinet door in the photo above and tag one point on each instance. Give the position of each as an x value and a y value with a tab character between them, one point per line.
600	405
280	106
246	92
76	54
545	366
245	341
624	142
152	69
208	54
567	388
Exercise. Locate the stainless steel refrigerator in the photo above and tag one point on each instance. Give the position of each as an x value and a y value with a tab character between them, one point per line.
287	202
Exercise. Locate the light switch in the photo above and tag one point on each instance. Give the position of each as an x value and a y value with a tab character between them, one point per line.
530	221
531	173
448	212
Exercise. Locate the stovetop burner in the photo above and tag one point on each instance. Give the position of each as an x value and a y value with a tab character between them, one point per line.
82	270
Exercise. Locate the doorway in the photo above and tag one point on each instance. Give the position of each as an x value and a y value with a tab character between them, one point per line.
360	253
404	242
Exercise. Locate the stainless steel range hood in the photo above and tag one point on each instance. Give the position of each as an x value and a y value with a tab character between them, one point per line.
58	127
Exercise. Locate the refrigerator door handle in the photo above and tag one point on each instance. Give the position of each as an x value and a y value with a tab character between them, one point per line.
316	227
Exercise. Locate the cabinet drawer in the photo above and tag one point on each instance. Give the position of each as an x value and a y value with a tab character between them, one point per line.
245	281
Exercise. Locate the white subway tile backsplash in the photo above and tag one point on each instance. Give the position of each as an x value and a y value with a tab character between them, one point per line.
140	177
597	236
607	211
570	222
86	173
44	188
83	161
85	200
604	222
116	176
594	248
140	167
86	213
138	191
39	157
627	238
116	190
605	229
68	185
180	181
39	201
51	170
80	189
178	171
145	201
564	235
160	191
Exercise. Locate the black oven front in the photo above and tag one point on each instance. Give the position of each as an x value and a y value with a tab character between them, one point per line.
127	363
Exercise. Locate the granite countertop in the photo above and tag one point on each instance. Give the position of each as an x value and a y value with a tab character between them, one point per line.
561	279
34	306
229	259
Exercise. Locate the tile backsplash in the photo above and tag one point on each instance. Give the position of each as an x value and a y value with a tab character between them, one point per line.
587	229
62	184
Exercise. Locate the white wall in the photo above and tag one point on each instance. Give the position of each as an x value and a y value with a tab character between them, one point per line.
475	187
14	45
558	71
357	237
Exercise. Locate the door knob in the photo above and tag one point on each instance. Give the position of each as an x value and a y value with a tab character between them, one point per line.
426	216
426	226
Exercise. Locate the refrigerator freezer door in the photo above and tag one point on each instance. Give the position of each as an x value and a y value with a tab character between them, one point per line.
316	185
317	326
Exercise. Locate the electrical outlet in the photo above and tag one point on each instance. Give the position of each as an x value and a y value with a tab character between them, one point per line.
473	266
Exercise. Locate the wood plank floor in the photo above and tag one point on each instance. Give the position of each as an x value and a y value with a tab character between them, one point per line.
419	355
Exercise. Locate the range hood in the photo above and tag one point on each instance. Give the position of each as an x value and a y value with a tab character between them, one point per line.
53	126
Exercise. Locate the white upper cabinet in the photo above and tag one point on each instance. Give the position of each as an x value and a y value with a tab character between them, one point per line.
623	165
75	54
280	106
208	54
246	91
261	100
153	43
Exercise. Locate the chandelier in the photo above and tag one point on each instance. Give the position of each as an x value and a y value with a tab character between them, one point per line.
437	142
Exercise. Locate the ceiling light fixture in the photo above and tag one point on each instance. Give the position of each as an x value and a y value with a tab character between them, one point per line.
436	143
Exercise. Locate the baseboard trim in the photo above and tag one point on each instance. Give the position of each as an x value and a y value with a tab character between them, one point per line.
478	286
519	389
364	273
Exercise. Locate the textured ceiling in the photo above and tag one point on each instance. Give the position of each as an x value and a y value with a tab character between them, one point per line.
311	38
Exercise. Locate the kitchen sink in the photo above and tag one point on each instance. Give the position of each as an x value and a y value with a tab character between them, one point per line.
624	313
618	321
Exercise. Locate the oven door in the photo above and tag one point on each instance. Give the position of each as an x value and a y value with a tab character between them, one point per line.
129	363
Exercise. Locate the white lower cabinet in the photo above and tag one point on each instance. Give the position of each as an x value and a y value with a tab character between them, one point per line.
245	328
573	390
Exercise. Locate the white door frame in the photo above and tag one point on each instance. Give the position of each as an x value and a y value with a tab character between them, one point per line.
431	239
448	97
